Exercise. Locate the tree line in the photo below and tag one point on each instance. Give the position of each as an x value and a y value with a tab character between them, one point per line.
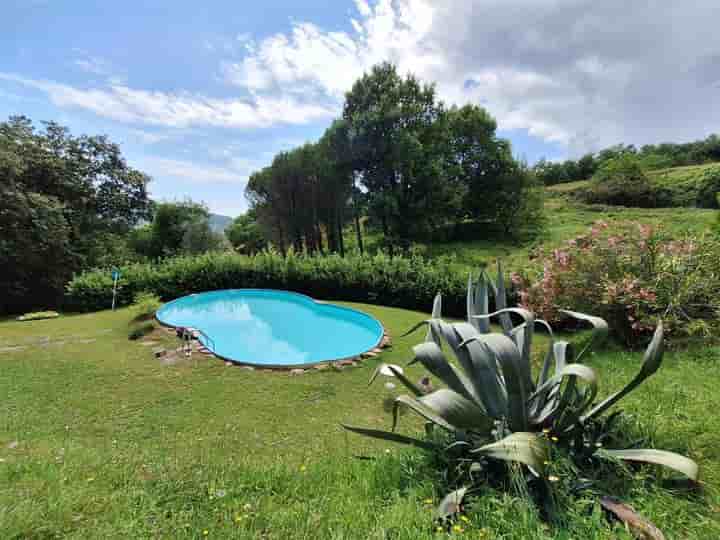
66	202
647	157
400	159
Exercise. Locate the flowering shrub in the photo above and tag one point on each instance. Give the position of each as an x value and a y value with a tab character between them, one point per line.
630	275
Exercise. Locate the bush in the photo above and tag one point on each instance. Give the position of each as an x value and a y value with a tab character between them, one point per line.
708	192
631	276
408	282
141	330
145	305
621	182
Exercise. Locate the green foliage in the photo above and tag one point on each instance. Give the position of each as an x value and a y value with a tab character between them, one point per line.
245	234
141	330
650	157
408	282
38	315
494	409
399	155
177	228
304	191
630	274
145	304
621	181
495	190
62	201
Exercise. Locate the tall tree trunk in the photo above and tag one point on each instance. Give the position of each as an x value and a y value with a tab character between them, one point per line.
339	223
357	219
318	238
386	233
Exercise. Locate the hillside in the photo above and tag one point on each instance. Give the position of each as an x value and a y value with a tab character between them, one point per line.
675	186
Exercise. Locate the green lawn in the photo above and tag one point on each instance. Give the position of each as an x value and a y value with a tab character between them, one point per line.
99	440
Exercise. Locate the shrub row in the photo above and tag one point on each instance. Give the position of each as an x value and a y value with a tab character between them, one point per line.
408	282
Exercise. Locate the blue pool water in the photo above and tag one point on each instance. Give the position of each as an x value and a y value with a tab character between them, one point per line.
273	328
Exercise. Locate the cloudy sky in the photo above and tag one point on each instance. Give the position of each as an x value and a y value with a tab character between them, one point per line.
200	94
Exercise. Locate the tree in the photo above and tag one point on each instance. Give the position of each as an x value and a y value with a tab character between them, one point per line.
393	134
62	199
177	228
245	233
200	238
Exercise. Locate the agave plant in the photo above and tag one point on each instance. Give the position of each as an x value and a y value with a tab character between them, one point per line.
494	407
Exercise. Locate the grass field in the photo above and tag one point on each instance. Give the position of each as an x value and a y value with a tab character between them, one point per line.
100	440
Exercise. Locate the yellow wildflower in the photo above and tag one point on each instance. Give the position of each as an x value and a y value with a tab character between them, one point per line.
554	439
553	478
205	532
457	529
428	501
465	519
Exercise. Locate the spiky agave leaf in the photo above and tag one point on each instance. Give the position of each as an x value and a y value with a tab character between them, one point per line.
447	409
523	447
480	368
433	359
651	362
399	376
431	335
600	328
502	351
501	300
522	336
671	460
570	370
389	436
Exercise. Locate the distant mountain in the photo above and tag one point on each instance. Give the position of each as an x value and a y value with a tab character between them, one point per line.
218	223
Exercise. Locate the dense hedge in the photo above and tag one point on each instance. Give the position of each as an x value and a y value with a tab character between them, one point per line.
392	281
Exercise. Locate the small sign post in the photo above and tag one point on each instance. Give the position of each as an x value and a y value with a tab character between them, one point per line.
115	277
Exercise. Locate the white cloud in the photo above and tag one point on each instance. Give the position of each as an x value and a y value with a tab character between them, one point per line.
147	137
234	171
129	105
582	73
94	65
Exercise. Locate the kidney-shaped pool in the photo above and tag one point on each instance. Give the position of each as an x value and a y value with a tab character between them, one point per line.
272	328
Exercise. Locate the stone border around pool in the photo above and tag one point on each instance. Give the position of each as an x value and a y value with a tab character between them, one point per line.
297	369
335	365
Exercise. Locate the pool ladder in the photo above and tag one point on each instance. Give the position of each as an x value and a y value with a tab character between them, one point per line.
188	334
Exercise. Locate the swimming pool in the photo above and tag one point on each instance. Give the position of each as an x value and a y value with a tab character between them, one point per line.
270	328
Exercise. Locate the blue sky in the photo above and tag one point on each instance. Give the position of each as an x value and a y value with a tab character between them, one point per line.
200	94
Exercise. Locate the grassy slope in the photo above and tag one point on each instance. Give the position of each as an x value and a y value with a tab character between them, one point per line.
111	444
679	178
566	219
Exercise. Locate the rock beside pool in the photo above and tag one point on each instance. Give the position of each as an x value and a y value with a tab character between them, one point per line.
159	353
248	368
321	367
347	363
294	372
